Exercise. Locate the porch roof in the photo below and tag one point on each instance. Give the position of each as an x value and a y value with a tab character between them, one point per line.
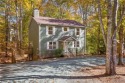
67	38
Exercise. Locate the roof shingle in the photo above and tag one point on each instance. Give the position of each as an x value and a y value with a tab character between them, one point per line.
59	22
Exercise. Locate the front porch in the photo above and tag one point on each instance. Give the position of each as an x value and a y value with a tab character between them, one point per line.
68	44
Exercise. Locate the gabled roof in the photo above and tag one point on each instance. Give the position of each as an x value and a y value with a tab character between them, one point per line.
67	38
58	22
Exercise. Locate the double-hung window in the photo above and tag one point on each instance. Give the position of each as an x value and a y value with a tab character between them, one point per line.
77	31
50	30
77	44
65	29
52	45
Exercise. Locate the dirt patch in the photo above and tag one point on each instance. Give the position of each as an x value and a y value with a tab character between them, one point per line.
11	58
99	73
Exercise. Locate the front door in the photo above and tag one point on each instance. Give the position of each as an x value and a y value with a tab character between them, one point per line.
68	45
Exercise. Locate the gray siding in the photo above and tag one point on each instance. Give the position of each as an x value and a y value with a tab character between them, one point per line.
34	35
43	38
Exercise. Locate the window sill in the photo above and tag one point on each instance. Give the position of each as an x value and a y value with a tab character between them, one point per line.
50	35
51	49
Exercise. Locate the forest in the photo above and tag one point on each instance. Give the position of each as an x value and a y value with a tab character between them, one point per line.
104	21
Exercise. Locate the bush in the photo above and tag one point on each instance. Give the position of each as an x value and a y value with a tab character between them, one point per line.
58	53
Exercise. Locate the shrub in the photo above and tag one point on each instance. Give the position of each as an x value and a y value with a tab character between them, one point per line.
58	53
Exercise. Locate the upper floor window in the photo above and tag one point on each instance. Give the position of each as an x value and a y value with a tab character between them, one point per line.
50	30
65	28
52	45
77	31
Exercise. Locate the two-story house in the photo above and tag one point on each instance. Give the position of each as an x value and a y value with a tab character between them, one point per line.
48	34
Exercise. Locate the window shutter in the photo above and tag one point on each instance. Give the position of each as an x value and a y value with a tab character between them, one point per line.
57	45
75	31
72	44
47	30
47	45
67	28
79	43
80	31
54	30
62	29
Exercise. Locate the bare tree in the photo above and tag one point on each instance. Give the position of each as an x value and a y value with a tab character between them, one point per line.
7	24
20	20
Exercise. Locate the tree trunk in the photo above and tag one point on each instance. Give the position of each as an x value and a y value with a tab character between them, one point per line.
84	19
20	25
121	39
7	25
17	28
111	49
120	49
98	41
114	27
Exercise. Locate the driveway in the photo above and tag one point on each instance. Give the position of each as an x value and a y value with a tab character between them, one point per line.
55	71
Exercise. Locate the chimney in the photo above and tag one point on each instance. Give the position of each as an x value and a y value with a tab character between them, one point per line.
36	13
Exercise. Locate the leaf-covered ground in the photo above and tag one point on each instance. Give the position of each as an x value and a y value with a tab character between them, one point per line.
97	75
73	70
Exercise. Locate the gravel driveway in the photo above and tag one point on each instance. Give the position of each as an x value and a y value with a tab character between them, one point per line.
55	71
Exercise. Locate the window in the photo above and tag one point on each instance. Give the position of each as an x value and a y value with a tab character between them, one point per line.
77	44
78	31
65	28
50	30
52	45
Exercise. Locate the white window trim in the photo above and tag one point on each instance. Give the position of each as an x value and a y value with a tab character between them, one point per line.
47	28
52	45
63	29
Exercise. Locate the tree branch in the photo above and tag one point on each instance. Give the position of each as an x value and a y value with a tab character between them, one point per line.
122	15
120	20
101	22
